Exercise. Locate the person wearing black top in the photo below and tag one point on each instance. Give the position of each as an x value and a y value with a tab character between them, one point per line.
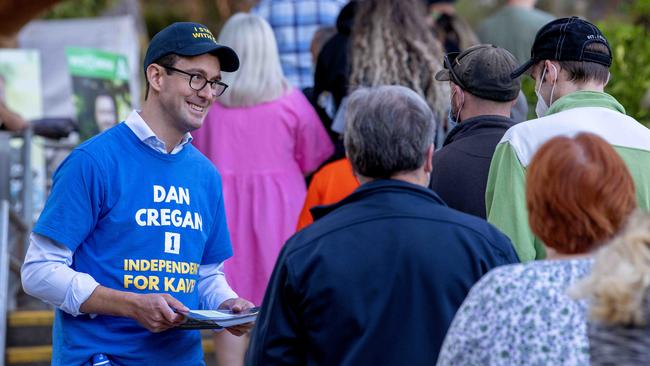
481	99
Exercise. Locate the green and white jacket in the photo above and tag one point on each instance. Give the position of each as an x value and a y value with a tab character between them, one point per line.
582	111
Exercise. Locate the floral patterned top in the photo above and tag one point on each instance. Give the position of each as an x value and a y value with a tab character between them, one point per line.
521	315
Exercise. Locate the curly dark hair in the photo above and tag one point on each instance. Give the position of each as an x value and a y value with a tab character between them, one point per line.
392	45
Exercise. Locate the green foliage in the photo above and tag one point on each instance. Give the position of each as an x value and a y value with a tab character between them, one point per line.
630	74
528	88
630	71
638	8
158	17
78	9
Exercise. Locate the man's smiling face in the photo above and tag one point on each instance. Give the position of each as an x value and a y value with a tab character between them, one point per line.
186	106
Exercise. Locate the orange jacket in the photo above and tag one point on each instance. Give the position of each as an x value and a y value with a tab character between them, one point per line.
330	184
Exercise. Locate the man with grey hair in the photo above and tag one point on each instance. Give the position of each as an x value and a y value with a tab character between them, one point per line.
378	277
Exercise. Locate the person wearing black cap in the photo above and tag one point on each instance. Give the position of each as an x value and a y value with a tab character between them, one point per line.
134	233
569	62
452	30
482	95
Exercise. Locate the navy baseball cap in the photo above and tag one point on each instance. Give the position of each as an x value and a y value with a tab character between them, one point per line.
189	39
565	39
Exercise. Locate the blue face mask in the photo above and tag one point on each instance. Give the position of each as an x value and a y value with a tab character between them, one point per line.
451	120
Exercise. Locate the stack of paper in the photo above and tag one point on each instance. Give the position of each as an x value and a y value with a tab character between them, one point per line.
204	319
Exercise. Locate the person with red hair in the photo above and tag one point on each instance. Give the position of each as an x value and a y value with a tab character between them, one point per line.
579	194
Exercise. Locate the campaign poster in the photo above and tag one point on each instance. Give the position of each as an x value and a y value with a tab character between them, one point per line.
100	86
20	82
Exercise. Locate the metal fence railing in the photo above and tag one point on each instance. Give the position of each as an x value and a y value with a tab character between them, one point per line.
15	172
17	189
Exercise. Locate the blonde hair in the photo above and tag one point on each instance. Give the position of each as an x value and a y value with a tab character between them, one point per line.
620	276
259	78
391	45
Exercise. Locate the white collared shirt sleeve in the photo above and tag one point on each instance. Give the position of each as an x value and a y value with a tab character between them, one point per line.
46	274
213	287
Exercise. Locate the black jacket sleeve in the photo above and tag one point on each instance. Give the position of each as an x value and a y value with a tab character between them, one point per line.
278	337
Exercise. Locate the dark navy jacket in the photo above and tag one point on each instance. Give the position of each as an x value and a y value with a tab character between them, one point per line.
376	280
461	166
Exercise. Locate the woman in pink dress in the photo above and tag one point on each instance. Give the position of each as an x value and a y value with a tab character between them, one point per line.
263	136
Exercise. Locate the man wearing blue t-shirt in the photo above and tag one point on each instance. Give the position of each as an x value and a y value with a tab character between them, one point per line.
134	231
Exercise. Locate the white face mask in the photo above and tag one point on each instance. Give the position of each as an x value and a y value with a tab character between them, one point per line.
541	108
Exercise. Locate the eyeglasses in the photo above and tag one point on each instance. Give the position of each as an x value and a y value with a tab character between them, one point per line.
198	82
449	61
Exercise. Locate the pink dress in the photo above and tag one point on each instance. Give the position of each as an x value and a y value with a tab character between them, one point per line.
262	153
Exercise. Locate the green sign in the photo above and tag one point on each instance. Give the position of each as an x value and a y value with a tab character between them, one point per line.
100	85
94	63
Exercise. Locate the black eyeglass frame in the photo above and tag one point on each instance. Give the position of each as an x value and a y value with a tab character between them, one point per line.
206	81
448	63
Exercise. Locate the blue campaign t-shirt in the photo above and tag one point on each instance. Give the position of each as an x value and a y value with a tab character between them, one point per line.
141	221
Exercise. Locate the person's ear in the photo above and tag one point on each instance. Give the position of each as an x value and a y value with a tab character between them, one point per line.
552	72
428	159
453	89
454	92
155	77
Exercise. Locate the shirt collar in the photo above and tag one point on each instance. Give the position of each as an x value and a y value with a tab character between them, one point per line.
374	187
477	123
142	130
585	98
